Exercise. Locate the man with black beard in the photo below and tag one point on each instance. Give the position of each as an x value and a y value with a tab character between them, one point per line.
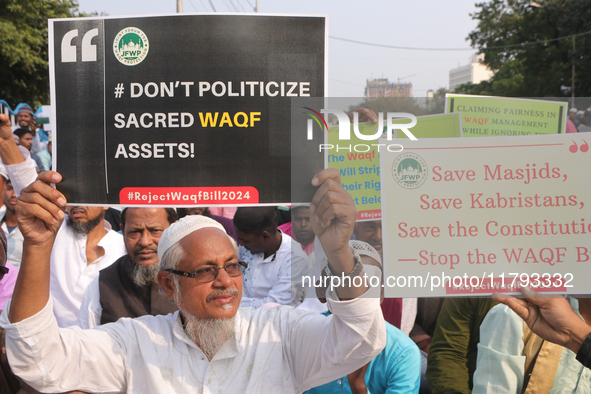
129	287
84	245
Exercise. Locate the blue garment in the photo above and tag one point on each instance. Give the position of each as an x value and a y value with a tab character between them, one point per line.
397	369
37	159
42	135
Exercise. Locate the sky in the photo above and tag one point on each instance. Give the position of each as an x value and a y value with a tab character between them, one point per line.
419	23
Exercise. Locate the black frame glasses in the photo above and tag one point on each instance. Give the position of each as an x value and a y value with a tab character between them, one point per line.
201	273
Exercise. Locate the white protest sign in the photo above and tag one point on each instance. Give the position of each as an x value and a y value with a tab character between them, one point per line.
465	216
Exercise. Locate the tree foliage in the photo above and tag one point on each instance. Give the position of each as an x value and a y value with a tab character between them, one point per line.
441	92
23	48
529	47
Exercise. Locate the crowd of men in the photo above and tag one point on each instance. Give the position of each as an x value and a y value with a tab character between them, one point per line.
198	299
214	305
31	136
579	121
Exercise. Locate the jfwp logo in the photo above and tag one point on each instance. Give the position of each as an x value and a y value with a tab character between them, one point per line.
131	46
409	170
391	120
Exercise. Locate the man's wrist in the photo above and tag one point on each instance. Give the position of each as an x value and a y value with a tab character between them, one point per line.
341	261
10	152
346	267
39	246
355	271
578	336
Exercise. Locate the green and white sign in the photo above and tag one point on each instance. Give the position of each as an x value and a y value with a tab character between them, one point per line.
486	116
436	126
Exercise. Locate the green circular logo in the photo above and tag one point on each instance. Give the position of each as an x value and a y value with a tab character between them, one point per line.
131	46
409	170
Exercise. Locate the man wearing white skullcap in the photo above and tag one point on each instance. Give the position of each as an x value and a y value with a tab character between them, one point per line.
210	345
572	115
580	116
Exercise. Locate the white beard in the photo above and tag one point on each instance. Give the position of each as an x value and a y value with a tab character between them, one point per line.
208	334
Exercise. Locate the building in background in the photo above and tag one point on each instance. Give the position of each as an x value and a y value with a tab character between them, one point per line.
381	87
474	72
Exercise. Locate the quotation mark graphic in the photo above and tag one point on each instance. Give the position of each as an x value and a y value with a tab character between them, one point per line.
574	148
88	49
119	89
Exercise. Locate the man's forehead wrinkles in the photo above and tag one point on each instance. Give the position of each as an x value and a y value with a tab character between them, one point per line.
212	262
145	227
220	253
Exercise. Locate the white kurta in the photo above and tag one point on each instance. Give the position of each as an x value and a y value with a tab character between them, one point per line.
14	239
277	350
70	272
277	278
91	310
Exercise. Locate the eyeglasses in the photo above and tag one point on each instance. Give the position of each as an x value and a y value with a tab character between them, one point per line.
209	273
3	271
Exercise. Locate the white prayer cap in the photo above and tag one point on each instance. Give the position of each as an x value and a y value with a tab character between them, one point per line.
572	110
3	172
580	113
183	227
365	249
